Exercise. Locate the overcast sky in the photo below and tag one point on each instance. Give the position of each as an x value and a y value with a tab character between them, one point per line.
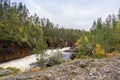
77	14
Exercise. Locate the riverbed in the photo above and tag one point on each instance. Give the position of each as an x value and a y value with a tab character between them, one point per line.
24	64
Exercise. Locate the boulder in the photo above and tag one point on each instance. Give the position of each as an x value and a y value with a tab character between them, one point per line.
53	61
5	72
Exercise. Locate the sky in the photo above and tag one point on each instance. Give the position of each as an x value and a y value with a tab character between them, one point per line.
76	14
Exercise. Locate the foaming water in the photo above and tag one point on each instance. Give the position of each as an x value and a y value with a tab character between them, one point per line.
25	63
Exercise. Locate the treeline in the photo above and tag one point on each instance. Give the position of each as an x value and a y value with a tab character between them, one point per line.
17	25
103	38
58	37
107	33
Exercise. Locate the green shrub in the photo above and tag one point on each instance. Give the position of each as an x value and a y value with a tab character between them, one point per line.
57	56
55	59
40	47
14	70
41	63
78	55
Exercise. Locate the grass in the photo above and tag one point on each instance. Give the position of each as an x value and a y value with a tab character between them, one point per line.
1	68
11	70
14	70
118	54
98	57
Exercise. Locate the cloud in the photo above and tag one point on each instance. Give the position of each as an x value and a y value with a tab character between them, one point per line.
76	14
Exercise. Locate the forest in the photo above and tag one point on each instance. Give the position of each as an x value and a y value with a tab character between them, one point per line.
19	31
33	47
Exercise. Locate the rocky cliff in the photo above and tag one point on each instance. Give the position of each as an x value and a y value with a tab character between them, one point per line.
10	50
82	69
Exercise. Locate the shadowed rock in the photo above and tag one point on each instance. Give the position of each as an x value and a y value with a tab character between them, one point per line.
12	50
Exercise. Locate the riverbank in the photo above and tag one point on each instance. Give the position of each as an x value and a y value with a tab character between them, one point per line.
24	64
82	69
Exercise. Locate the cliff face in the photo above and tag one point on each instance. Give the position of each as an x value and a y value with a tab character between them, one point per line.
12	50
82	69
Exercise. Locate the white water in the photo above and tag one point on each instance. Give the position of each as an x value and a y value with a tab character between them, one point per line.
24	63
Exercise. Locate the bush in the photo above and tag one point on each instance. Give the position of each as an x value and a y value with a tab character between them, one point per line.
41	63
90	51
40	51
57	55
80	53
50	61
55	59
99	51
82	46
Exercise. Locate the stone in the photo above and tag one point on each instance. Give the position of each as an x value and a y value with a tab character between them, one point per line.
97	69
92	71
36	69
10	50
5	72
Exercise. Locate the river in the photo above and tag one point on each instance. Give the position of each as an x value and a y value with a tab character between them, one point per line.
25	63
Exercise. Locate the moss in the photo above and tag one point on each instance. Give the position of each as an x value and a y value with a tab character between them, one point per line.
98	57
118	54
9	71
1	68
14	70
83	65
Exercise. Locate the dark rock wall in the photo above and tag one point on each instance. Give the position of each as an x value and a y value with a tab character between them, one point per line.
12	50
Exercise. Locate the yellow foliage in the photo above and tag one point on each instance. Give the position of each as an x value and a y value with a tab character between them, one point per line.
98	46
118	25
113	54
99	50
86	39
77	43
21	29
